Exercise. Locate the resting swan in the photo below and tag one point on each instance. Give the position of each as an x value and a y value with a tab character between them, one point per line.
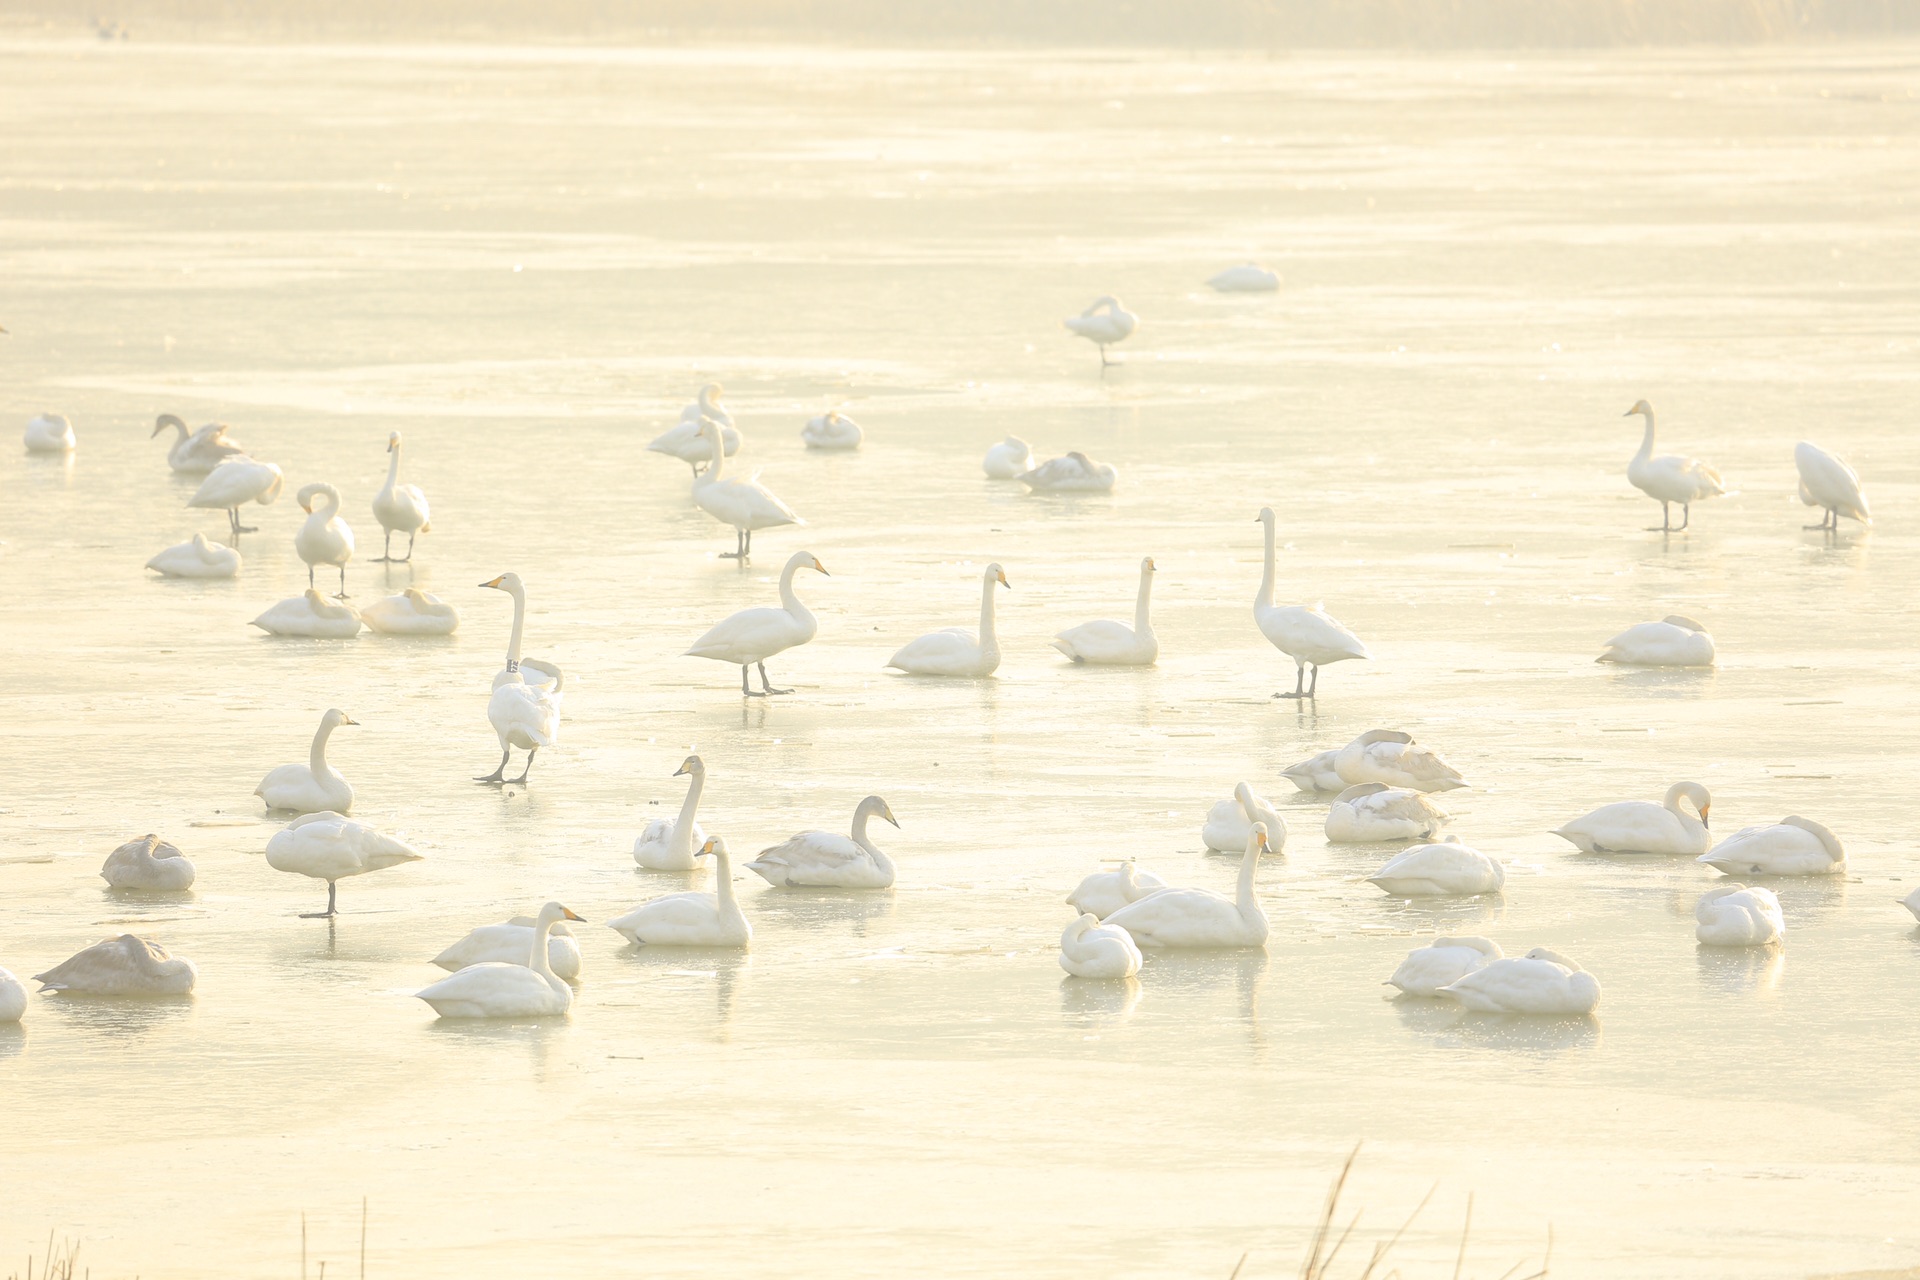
1089	949
237	481
669	846
1230	822
1441	963
745	504
751	636
1827	482
149	864
1445	870
691	919
1248	277
511	942
411	613
523	713
198	453
50	433
1674	641
1373	812
122	966
331	846
1670	478
1200	917
1006	460
1306	634
1103	324
196	558
313	787
1115	644
823	860
1541	982
1105	892
1394	758
832	430
500	990
955	651
1793	846
400	508
1637	826
1075	473
323	537
1317	775
1734	915
312	615
13	997
684	440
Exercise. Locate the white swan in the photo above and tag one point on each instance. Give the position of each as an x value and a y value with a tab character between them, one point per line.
197	453
1229	822
955	651
1006	460
1441	963
524	713
1734	915
1445	870
683	440
503	989
315	786
751	636
691	919
196	558
400	508
237	481
1105	892
669	846
823	860
150	864
1201	917
1115	644
1373	812
323	538
745	504
1393	757
511	942
122	966
1674	641
13	997
1793	846
1306	634
1670	478
1827	482
832	430
1316	775
1541	981
310	614
49	433
330	846
1089	949
1912	903
1074	473
1638	826
411	613
1103	324
1248	277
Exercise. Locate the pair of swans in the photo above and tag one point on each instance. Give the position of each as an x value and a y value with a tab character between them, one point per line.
692	919
1103	324
1105	892
1793	846
832	430
511	942
196	558
684	439
235	482
1115	644
669	846
198	452
411	613
523	713
1090	949
323	537
1738	915
1372	812
1670	478
310	614
50	433
1638	826
1827	482
122	966
751	636
1304	633
1230	822
1445	870
149	864
1540	982
1248	277
1008	459
825	860
400	508
955	651
313	787
330	846
1074	473
505	989
747	504
1200	917
1674	641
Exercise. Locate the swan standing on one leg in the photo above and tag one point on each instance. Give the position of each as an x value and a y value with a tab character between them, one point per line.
1229	821
1201	917
323	538
1103	324
330	846
1670	478
495	989
823	860
1441	963
1827	482
1105	892
313	787
684	441
200	452
523	714
955	651
1089	949
1638	826
669	846
400	508
237	481
1114	644
751	636
745	504
691	919
1305	634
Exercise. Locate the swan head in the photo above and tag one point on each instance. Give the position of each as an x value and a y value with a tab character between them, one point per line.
317	489
996	574
693	765
1265	517
715	847
164	421
1639	406
1147	566
1693	791
1257	838
335	718
878	808
416	597
554	912
1552	957
507	582
393	442
711	392
1080	458
818	567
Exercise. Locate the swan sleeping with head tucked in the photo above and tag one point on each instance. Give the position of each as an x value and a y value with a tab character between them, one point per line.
1006	460
751	636
524	713
669	846
527	988
50	433
1074	473
411	613
1317	775
956	651
332	847
237	481
312	615
1248	277
1105	892
197	453
1674	641
1441	963
745	504
1115	644
1637	826
1089	949
1394	758
149	864
196	558
823	860
1827	482
1734	915
122	966
1373	812
691	919
832	430
1103	324
13	997
1445	870
1230	822
1304	633
313	787
400	508
1670	478
511	942
1793	846
1200	917
1540	982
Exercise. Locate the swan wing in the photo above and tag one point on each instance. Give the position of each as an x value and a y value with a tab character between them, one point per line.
752	635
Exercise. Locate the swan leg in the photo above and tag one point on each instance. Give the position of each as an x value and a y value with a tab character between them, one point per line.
770	690
1830	520
409	555
1666	522
746	545
333	887
1314	686
343	582
1686	514
529	769
309	577
386	554
739	551
746	692
500	774
1299	682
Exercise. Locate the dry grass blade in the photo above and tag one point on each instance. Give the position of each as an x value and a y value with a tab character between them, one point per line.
1235	1273
1380	1251
1316	1265
1465	1231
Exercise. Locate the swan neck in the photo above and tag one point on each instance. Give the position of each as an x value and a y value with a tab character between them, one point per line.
1244	897
1646	440
1140	606
683	829
393	468
538	960
519	625
717	469
332	509
987	638
317	757
723	884
1264	600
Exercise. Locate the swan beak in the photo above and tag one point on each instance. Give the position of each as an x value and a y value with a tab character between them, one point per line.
158	427
348	720
567	914
677	772
1002	575
494	583
1706	809
1151	566
821	569
1627	414
304	506
705	849
888	815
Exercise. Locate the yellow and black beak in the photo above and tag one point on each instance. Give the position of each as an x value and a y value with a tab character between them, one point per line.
494	583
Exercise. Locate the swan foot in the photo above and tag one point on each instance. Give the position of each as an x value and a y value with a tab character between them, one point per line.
769	690
1302	691
331	910
529	769
499	774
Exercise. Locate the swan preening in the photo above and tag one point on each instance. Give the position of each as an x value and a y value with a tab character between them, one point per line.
1305	634
691	919
1441	963
1200	917
310	614
49	433
331	846
122	966
313	787
497	989
1394	758
751	636
511	942
669	846
823	860
1103	324
1230	822
1317	774
1735	915
198	452
411	613
1115	644
1827	482
323	537
1446	870
236	481
1541	981
1105	892
1074	473
1089	949
13	997
832	430
1372	812
1008	459
684	440
1674	641
400	508
745	504
1248	277
1638	826
1670	478
523	713
148	863
196	558
1793	846
955	651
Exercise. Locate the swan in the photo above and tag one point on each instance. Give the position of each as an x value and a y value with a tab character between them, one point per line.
1229	821
751	636
822	860
501	989
1089	949
1442	962
1103	324
1075	473
122	966
1912	903
691	919
524	713
1734	915
400	508
1670	478
1105	892
330	846
324	537
1305	634
13	997
198	453
1201	917
953	651
50	433
1793	846
745	504
197	558
511	942
1248	277
148	863
1674	641
1826	481
237	481
1541	981
1445	870
1115	644
683	440
411	613
1393	757
1006	460
1372	812
313	787
1638	826
310	614
832	430
1316	774
669	846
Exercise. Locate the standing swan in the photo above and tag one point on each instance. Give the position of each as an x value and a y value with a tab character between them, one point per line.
315	786
691	919
1089	949
200	452
669	846
1114	644
331	846
1103	324
1201	917
954	651
1637	826
522	714
400	508
495	989
751	636
1305	634
683	439
1826	481
1670	478
237	481
324	537
745	504
822	860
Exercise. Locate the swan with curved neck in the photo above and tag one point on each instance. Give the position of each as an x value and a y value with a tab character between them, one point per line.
1008	459
683	439
495	989
198	452
400	508
1201	917
1304	633
315	786
956	651
1827	482
523	714
751	636
1103	324
691	919
1229	821
745	504
1793	846
1089	949
669	846
1110	643
1669	478
822	860
1637	826
324	538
